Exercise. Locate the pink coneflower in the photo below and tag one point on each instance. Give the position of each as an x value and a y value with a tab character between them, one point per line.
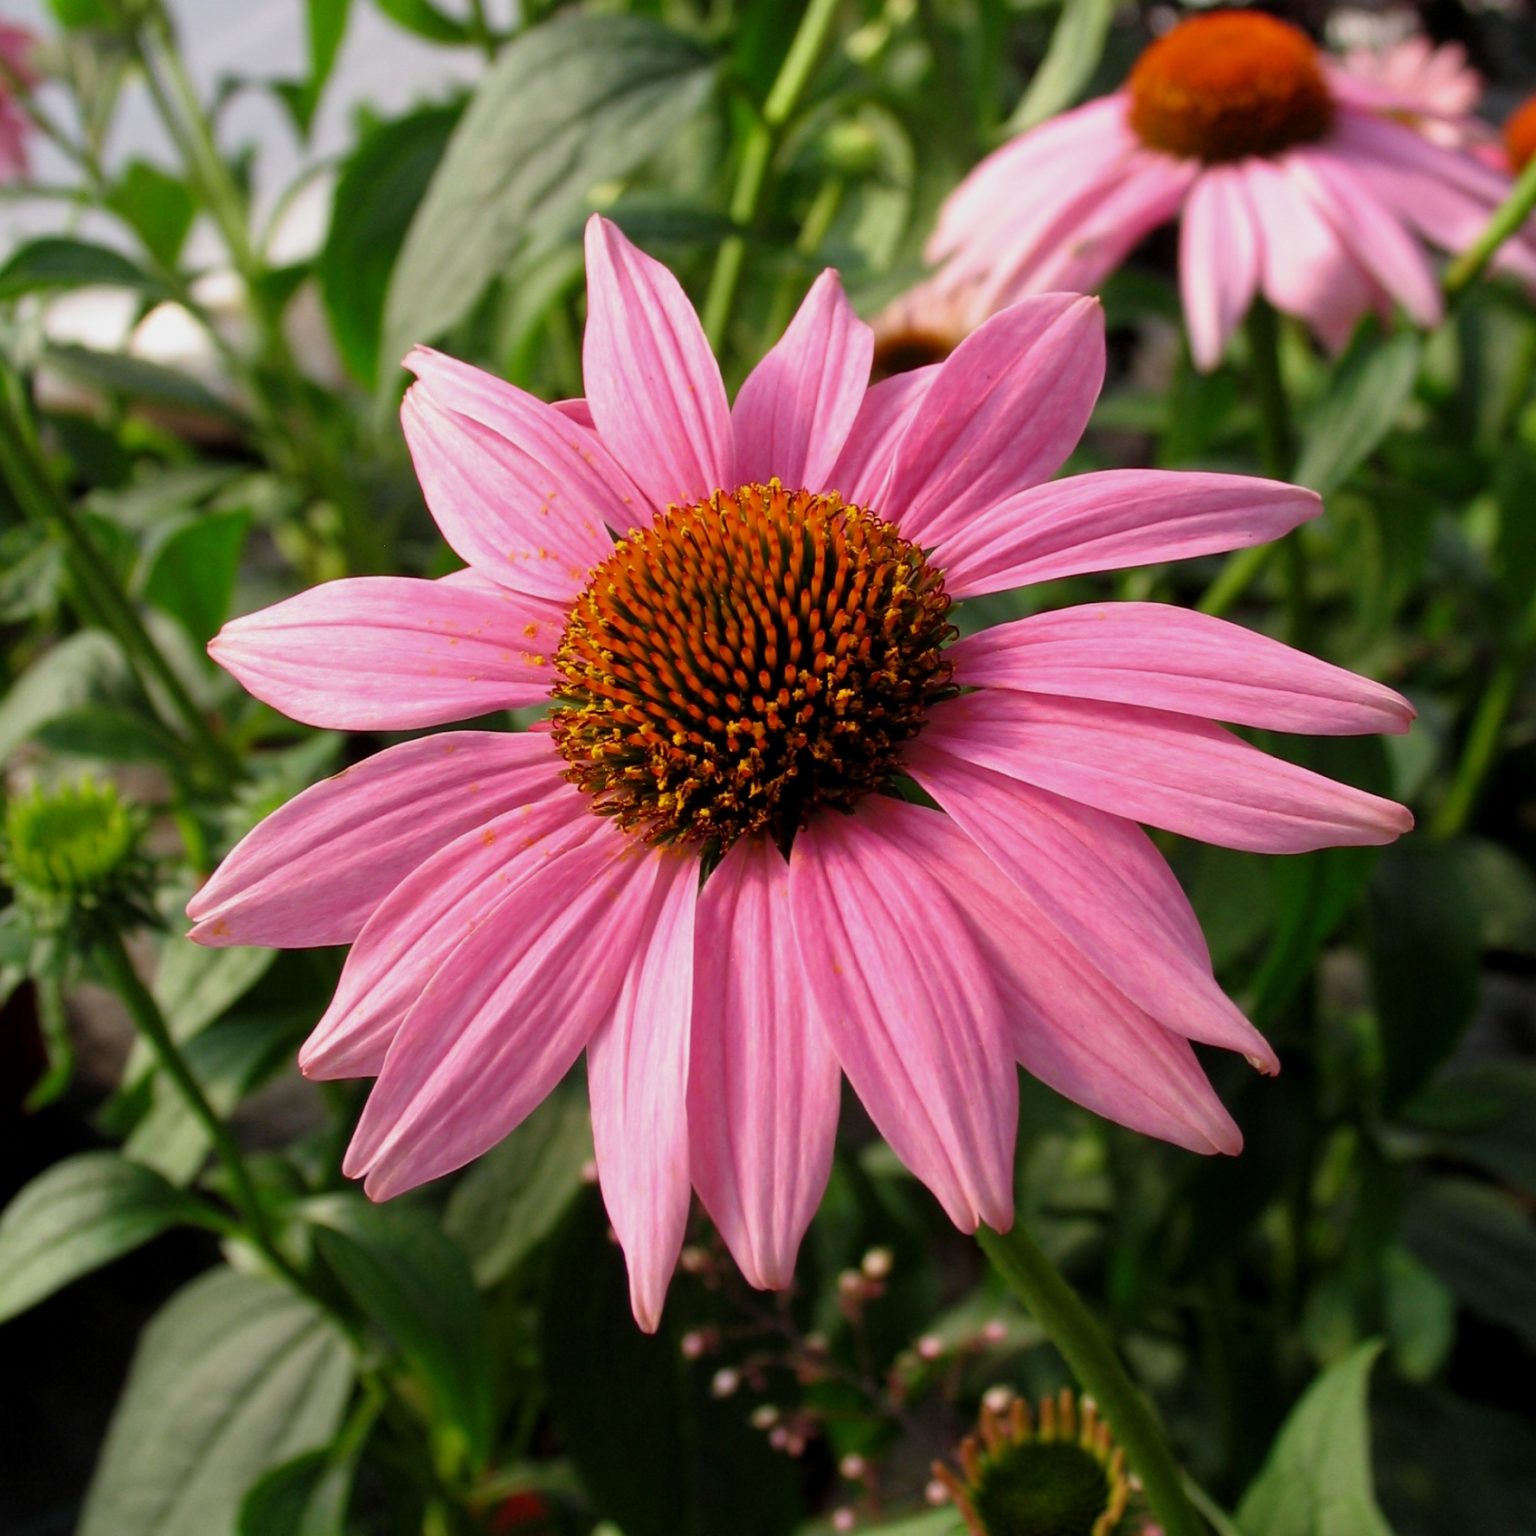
16	73
1285	186
702	872
1428	85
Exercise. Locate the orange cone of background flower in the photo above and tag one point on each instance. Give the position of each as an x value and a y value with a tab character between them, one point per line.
703	872
1286	185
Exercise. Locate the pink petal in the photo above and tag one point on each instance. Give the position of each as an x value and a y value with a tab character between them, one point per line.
1376	236
763	1084
1098	882
1162	657
422	920
508	1013
316	869
910	1005
1006	408
1170	771
652	382
528	510
1116	518
797	406
637	1073
864	466
389	653
1068	1025
1218	263
590	477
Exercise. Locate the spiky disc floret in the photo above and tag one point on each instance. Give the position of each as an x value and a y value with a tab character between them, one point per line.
1054	1473
1229	85
745	660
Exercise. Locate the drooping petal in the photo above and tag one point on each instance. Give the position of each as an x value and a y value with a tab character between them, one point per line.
390	653
1101	885
910	1005
1170	771
1162	657
763	1082
796	407
420	923
637	1074
1068	1025
317	868
589	476
509	1011
1004	411
863	468
652	382
1115	518
530	512
1218	263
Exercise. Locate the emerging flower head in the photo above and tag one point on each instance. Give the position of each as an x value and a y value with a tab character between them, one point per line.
1054	1472
16	75
1292	178
704	873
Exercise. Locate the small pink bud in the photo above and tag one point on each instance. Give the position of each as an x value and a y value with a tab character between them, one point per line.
853	1467
844	1519
930	1347
724	1383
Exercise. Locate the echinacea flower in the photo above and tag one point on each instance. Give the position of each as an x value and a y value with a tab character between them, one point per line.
1284	184
16	74
1430	86
701	872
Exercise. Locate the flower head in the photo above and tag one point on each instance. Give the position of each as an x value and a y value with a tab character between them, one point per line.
1053	1472
1428	85
1292	179
16	75
704	871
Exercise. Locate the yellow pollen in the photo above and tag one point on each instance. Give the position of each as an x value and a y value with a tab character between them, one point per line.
746	660
1230	85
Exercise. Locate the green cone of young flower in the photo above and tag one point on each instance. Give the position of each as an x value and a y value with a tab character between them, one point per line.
71	854
1053	1472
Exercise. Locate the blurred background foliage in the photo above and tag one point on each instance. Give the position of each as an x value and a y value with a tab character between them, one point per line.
1337	1326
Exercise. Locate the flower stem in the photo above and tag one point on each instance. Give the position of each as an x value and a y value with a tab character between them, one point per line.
1507	219
41	499
1031	1276
757	156
1488	723
120	975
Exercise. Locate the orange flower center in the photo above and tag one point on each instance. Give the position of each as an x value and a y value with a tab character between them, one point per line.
1520	135
1229	85
746	660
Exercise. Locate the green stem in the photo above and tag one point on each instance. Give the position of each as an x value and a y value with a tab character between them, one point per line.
1487	730
1508	218
756	158
41	499
124	980
1056	1307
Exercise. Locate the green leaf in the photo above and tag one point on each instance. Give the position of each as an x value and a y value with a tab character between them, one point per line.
117	375
84	669
425	20
304	1497
76	1216
1481	1243
1420	1314
82	13
54	263
1484	1115
193	574
575	102
1424	950
234	1376
1077	45
109	734
158	207
1317	1480
1365	394
415	1286
31	570
377	194
509	1201
657	1454
194	985
327	27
